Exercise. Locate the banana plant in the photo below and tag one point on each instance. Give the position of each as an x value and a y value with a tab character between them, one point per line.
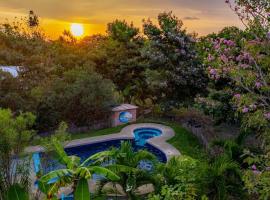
75	174
126	164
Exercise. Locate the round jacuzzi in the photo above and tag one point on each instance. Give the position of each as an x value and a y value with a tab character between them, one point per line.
141	135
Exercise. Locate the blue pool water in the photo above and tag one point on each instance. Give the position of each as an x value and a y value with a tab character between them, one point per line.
143	134
87	150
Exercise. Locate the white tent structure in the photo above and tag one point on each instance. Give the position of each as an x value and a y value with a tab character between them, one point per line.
13	70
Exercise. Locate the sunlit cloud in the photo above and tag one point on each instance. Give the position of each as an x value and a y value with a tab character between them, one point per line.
57	15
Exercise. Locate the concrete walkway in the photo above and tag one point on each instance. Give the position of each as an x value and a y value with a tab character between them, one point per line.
127	133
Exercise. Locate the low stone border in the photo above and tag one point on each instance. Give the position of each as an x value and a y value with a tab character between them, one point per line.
127	133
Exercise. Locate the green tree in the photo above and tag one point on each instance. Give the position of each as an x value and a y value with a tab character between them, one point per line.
79	98
119	59
172	58
16	134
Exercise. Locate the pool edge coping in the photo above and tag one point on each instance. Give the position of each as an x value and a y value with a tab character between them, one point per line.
159	142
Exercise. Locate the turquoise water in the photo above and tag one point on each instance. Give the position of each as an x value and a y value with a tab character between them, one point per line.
143	134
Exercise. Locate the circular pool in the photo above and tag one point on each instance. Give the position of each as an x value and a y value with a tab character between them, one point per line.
141	135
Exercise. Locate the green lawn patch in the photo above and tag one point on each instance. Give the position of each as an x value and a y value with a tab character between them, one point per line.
184	141
100	132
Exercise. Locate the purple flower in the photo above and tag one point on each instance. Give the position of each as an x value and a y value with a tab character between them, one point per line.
237	96
210	58
244	66
268	35
256	172
217	47
245	110
258	85
229	43
253	167
213	71
267	115
224	58
239	58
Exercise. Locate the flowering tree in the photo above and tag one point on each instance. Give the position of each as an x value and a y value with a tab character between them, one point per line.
252	14
175	72
242	65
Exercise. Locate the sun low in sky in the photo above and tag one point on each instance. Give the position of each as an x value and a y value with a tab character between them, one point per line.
76	29
92	16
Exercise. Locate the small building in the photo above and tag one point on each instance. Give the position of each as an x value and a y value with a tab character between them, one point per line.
122	114
13	70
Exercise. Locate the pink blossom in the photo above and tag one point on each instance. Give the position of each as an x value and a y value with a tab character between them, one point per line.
239	58
224	58
229	43
268	35
258	85
254	167
267	115
237	96
244	66
245	110
210	58
256	172
213	71
217	77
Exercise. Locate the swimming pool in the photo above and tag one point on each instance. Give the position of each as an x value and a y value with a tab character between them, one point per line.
137	134
85	151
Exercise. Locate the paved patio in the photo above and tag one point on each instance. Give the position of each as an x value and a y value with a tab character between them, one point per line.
127	133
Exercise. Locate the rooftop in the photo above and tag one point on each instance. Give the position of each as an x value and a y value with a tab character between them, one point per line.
123	107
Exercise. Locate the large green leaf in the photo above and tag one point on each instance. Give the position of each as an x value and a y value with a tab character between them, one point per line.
83	172
17	192
100	156
69	161
105	172
82	190
56	174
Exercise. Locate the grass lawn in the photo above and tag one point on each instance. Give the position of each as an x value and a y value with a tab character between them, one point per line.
183	140
100	132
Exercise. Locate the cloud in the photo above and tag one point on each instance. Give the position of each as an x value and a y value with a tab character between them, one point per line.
100	12
191	18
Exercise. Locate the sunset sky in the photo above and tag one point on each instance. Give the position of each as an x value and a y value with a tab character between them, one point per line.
201	16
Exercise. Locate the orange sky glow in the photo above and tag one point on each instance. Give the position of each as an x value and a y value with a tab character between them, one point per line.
200	16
